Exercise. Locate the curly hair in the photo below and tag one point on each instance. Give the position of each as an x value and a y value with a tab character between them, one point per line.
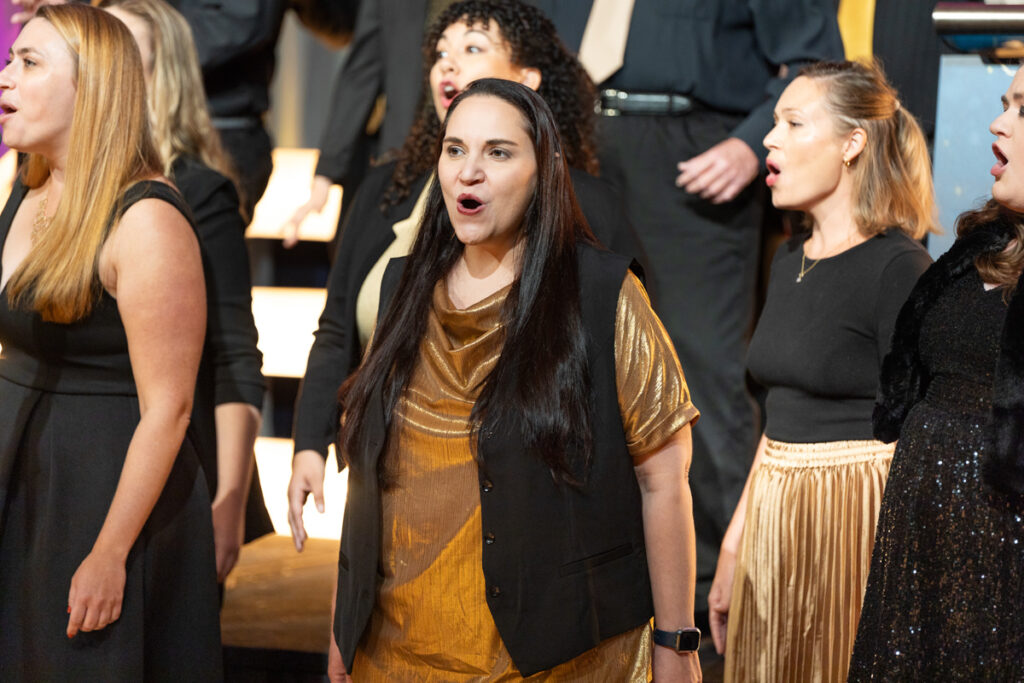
533	42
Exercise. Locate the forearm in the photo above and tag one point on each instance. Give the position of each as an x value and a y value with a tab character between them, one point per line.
148	462
671	554
734	532
669	531
237	427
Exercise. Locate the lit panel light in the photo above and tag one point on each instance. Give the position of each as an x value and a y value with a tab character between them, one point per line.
286	318
8	170
274	460
287	190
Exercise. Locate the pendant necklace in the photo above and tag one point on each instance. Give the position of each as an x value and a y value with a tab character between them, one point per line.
803	269
40	222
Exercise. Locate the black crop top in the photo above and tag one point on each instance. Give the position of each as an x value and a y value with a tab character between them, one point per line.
819	343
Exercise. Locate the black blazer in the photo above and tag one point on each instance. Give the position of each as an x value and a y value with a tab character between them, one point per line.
367	233
384	58
565	567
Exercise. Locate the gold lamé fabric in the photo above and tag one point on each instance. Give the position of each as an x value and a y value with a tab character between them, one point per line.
803	560
430	620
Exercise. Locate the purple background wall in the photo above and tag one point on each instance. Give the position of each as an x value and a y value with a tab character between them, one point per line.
8	32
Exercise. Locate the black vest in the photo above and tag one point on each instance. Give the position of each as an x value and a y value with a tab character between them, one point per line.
565	567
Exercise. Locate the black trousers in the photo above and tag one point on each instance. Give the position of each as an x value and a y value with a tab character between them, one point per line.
703	263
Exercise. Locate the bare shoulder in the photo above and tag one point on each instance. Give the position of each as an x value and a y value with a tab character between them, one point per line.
152	234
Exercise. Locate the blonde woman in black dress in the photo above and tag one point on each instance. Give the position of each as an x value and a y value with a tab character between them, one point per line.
106	551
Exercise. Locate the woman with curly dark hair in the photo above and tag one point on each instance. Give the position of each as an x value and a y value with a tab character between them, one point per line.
563	84
470	40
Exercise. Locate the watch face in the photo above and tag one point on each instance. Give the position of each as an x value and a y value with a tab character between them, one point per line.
684	640
689	641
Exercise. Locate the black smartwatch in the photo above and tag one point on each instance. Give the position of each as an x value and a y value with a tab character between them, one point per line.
683	640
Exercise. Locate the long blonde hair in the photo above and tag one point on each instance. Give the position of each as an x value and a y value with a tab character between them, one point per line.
892	179
110	148
178	111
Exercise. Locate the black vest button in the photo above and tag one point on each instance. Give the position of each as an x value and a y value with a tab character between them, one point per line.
487	485
495	591
488	538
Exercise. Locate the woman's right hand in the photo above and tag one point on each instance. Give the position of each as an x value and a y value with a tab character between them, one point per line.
97	591
318	192
307	477
336	672
720	596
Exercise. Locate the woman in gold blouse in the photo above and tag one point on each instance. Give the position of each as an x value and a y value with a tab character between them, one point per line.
518	451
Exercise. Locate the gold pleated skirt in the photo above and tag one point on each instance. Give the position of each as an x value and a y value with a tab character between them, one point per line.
803	560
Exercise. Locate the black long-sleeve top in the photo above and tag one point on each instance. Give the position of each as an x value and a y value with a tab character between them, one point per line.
236	42
230	368
724	53
819	344
367	233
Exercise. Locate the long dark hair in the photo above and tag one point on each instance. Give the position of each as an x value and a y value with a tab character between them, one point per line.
533	42
539	387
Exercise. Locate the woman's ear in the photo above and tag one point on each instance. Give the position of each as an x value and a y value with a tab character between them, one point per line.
854	145
530	77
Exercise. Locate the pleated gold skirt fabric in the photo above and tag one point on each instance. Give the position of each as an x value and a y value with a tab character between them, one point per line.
803	562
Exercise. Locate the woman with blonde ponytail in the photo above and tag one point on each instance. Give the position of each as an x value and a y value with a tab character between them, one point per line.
787	592
106	553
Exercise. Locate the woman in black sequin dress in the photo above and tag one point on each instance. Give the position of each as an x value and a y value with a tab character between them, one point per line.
945	597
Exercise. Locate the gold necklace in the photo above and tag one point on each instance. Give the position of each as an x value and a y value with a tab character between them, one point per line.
803	269
40	222
850	242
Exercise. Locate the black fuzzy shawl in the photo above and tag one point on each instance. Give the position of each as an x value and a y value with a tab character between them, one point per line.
903	380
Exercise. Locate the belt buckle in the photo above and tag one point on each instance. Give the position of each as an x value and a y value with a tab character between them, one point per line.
605	104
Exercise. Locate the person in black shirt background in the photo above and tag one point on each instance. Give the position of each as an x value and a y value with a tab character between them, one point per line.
236	41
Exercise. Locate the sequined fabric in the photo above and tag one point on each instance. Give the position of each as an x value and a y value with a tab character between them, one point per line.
431	621
945	597
803	561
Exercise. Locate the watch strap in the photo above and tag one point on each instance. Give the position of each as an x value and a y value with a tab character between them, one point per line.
683	640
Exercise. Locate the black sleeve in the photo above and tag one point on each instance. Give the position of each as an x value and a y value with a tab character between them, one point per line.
335	351
334	18
227	29
791	33
231	331
355	91
895	284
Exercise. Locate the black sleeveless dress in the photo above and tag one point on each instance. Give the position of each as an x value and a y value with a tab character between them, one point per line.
945	595
68	410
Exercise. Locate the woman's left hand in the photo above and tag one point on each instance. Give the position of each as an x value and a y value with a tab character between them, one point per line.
673	667
97	590
228	530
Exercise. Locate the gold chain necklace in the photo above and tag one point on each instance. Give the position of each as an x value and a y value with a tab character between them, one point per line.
40	222
851	241
803	269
